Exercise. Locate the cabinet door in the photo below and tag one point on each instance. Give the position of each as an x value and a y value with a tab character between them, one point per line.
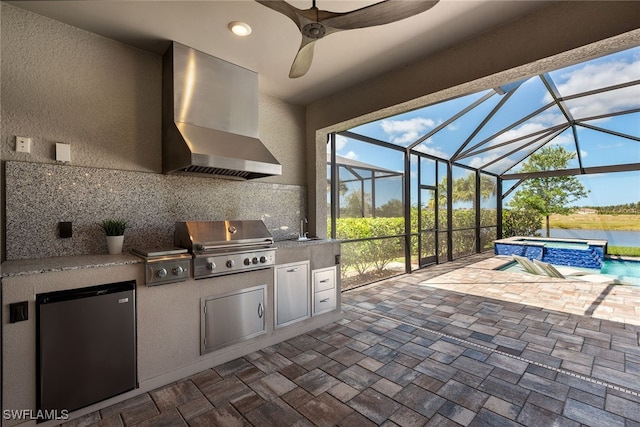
292	293
231	318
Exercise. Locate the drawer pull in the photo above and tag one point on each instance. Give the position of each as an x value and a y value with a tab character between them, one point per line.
292	270
324	281
325	300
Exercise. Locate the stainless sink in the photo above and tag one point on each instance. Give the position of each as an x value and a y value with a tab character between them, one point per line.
305	239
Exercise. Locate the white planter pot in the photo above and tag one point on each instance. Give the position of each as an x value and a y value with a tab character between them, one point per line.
114	243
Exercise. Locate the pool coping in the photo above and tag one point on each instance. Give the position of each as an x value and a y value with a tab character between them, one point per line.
518	240
622	258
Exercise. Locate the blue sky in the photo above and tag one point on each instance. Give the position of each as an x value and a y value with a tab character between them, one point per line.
511	134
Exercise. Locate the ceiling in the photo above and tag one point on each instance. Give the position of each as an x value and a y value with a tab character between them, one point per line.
340	60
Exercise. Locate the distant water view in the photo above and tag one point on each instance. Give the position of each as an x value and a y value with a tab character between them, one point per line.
614	238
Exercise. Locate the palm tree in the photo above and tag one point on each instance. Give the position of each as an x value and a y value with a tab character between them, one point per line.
464	189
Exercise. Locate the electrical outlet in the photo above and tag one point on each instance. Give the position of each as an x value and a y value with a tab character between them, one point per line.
18	312
65	229
23	144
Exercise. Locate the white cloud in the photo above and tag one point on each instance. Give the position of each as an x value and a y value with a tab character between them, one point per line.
537	124
580	80
563	139
599	75
424	147
351	155
480	161
406	131
583	153
341	141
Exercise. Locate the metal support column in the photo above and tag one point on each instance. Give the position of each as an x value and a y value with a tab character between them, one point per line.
477	199
499	208
335	185
407	211
450	211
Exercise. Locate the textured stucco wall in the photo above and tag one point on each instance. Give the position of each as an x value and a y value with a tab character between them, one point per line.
64	84
282	130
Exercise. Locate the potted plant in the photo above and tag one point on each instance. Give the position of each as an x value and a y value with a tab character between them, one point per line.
114	229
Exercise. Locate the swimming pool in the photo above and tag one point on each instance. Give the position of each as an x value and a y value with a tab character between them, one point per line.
558	244
625	270
568	252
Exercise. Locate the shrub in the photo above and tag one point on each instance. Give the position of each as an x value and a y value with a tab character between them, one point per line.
521	222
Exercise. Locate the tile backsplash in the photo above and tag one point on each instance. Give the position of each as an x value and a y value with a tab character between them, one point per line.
40	196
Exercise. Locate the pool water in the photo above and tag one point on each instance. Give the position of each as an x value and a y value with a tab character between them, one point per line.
624	270
559	245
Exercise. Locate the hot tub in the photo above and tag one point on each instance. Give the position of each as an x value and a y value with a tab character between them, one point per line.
569	252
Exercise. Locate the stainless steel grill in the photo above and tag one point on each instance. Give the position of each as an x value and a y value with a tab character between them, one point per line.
165	265
226	247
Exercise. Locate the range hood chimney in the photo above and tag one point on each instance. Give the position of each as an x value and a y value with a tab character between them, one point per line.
210	118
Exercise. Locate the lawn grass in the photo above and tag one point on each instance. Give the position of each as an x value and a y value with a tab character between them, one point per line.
623	250
595	222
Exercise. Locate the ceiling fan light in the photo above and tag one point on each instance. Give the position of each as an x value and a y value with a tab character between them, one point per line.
240	29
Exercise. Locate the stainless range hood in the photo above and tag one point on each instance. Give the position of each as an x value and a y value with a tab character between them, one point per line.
210	118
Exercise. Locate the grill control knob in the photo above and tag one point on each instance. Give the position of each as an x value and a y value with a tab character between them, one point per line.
178	270
247	261
161	273
254	260
211	266
230	263
263	259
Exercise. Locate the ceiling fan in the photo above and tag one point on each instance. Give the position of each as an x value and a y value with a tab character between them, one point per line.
315	24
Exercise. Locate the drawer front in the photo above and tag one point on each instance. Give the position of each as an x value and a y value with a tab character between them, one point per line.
324	301
324	280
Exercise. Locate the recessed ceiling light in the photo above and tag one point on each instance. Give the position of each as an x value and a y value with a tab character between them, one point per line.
240	29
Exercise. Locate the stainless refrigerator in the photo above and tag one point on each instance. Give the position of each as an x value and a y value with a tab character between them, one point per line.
85	345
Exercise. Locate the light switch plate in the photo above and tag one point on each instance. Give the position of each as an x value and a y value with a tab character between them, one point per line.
63	152
23	144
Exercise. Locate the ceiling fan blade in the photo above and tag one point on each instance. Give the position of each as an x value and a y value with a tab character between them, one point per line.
315	24
285	8
381	13
302	62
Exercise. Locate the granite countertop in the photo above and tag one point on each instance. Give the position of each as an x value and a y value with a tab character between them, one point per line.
292	243
24	267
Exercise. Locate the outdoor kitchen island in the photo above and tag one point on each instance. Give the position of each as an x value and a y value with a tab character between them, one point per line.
169	317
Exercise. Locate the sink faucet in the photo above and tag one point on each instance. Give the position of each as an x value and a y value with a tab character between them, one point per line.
303	234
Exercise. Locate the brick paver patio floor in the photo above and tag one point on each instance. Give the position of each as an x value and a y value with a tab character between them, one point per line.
450	345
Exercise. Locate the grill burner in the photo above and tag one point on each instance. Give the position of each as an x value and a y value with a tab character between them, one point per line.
164	266
226	247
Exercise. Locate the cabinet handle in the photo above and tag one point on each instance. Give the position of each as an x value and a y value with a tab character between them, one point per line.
325	300
292	270
324	281
260	310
